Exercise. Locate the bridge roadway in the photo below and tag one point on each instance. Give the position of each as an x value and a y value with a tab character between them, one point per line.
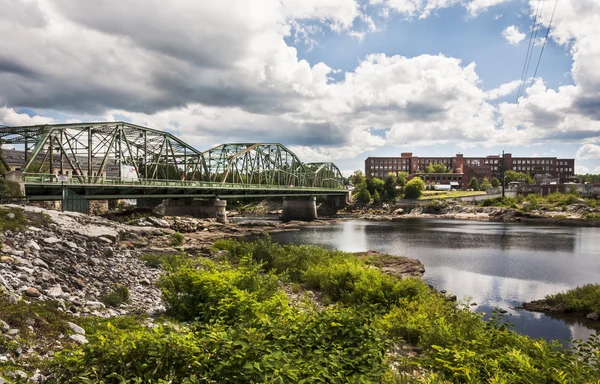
46	187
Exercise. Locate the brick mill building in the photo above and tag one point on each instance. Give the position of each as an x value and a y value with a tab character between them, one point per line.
461	169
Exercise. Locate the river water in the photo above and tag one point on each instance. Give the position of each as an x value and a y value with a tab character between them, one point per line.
496	265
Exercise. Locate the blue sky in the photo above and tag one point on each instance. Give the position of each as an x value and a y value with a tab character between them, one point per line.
335	80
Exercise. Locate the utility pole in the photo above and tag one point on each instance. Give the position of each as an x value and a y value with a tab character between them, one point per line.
502	172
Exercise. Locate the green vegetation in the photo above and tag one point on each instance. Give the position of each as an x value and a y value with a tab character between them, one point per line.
552	202
168	262
229	320
474	184
436	168
177	239
583	299
414	188
116	296
430	195
495	182
510	176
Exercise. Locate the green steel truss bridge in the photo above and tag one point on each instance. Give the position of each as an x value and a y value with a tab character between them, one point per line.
118	160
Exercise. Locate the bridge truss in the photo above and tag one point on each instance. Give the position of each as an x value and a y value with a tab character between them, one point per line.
93	153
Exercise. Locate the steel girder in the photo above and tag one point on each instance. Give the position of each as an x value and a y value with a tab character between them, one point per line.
92	150
254	163
325	175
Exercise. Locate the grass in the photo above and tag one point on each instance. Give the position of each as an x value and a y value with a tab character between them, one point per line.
230	321
584	299
116	296
169	261
429	195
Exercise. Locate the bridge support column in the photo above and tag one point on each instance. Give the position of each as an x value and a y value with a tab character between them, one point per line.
197	208
299	208
16	177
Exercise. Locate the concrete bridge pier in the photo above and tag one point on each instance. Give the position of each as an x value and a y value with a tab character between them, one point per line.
197	208
299	208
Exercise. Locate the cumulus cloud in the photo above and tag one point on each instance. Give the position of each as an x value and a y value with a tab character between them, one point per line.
597	170
588	151
581	170
503	90
424	8
214	72
512	35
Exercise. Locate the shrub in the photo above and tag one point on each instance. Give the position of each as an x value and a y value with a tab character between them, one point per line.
176	239
495	182
474	184
169	262
221	292
414	188
584	299
118	295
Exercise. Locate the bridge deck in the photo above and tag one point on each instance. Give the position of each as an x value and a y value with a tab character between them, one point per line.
48	187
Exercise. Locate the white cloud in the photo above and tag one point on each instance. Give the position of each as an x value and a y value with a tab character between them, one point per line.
597	171
581	170
477	6
512	35
424	8
213	72
8	116
503	90
588	151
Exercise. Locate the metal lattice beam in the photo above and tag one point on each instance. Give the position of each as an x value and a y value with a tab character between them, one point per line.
90	152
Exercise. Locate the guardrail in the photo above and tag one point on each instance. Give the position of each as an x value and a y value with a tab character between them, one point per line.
44	178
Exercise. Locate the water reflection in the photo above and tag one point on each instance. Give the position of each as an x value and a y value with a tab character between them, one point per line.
495	264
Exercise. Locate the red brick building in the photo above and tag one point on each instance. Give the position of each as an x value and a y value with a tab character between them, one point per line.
461	169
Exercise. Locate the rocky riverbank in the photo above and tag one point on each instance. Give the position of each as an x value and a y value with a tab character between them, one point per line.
75	263
572	215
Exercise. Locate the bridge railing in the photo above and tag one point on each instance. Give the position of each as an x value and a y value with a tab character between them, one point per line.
46	178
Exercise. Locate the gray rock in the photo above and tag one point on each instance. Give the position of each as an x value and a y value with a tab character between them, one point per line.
10	215
592	316
51	240
71	244
5	327
109	252
13	299
33	245
105	240
76	328
79	338
40	263
55	291
12	332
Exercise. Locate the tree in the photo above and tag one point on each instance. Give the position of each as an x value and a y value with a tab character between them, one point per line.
357	178
402	178
389	187
430	168
375	184
440	168
413	188
474	184
495	182
363	196
485	184
510	176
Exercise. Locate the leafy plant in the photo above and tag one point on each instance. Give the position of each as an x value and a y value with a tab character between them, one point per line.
177	239
116	296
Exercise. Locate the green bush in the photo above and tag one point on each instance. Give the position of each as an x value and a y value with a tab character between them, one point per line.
222	292
116	296
169	262
414	188
584	299
176	239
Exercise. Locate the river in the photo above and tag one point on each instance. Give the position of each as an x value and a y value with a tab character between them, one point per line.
496	265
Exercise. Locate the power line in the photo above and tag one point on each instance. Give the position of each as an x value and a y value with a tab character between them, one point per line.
528	55
545	40
541	53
